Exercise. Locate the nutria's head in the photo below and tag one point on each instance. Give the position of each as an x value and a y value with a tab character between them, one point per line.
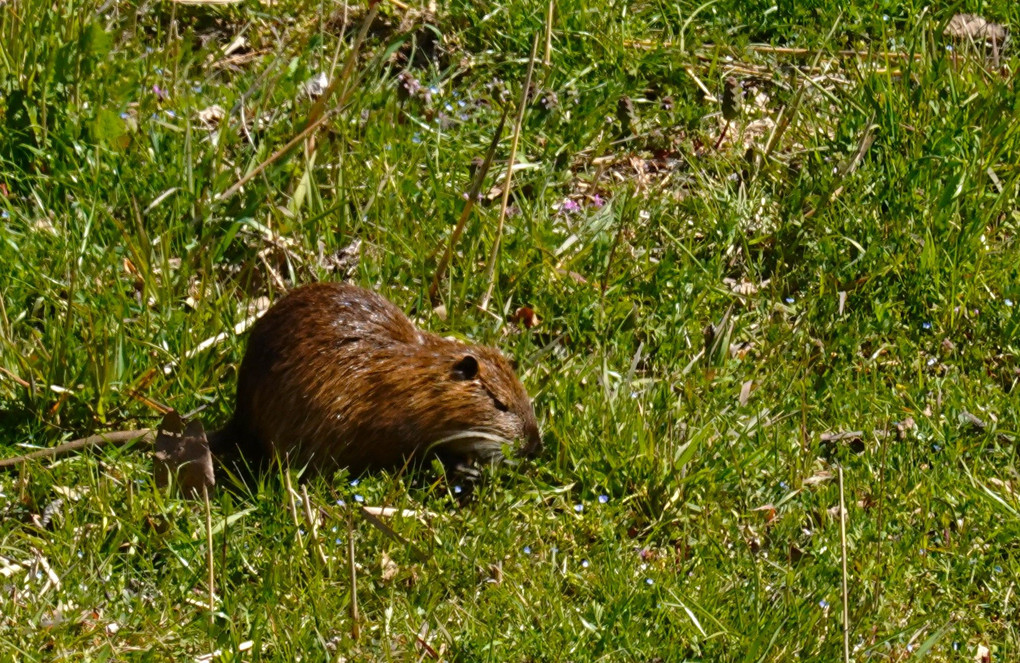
465	400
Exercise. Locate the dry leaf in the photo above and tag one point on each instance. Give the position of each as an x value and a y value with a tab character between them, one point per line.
73	494
526	317
389	568
316	85
903	426
184	452
744	287
834	512
211	116
836	437
745	392
769	511
344	262
976	28
8	568
821	477
732	98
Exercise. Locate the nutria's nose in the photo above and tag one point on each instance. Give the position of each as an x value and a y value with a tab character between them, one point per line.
533	444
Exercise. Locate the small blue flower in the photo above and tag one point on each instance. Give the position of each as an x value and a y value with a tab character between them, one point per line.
341	503
355	482
649	581
1009	302
416	139
789	300
457	490
578	508
359	499
584	563
527	550
603	499
338	541
823	604
926	325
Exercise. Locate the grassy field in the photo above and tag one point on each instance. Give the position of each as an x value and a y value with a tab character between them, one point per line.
736	249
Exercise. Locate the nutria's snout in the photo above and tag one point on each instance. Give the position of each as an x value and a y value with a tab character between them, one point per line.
532	443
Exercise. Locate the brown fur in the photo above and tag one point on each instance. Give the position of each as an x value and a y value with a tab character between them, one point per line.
337	376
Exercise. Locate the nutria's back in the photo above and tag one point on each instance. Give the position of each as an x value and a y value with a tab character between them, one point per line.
337	376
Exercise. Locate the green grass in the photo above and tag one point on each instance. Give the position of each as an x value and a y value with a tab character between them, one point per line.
666	520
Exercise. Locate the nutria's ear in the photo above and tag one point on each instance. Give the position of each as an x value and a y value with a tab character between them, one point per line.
466	368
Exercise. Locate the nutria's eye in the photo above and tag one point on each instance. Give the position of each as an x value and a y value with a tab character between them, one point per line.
466	368
500	405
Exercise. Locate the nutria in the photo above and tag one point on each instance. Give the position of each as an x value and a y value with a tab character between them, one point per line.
337	376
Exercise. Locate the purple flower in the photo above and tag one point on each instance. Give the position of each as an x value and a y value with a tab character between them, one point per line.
569	206
159	92
597	201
